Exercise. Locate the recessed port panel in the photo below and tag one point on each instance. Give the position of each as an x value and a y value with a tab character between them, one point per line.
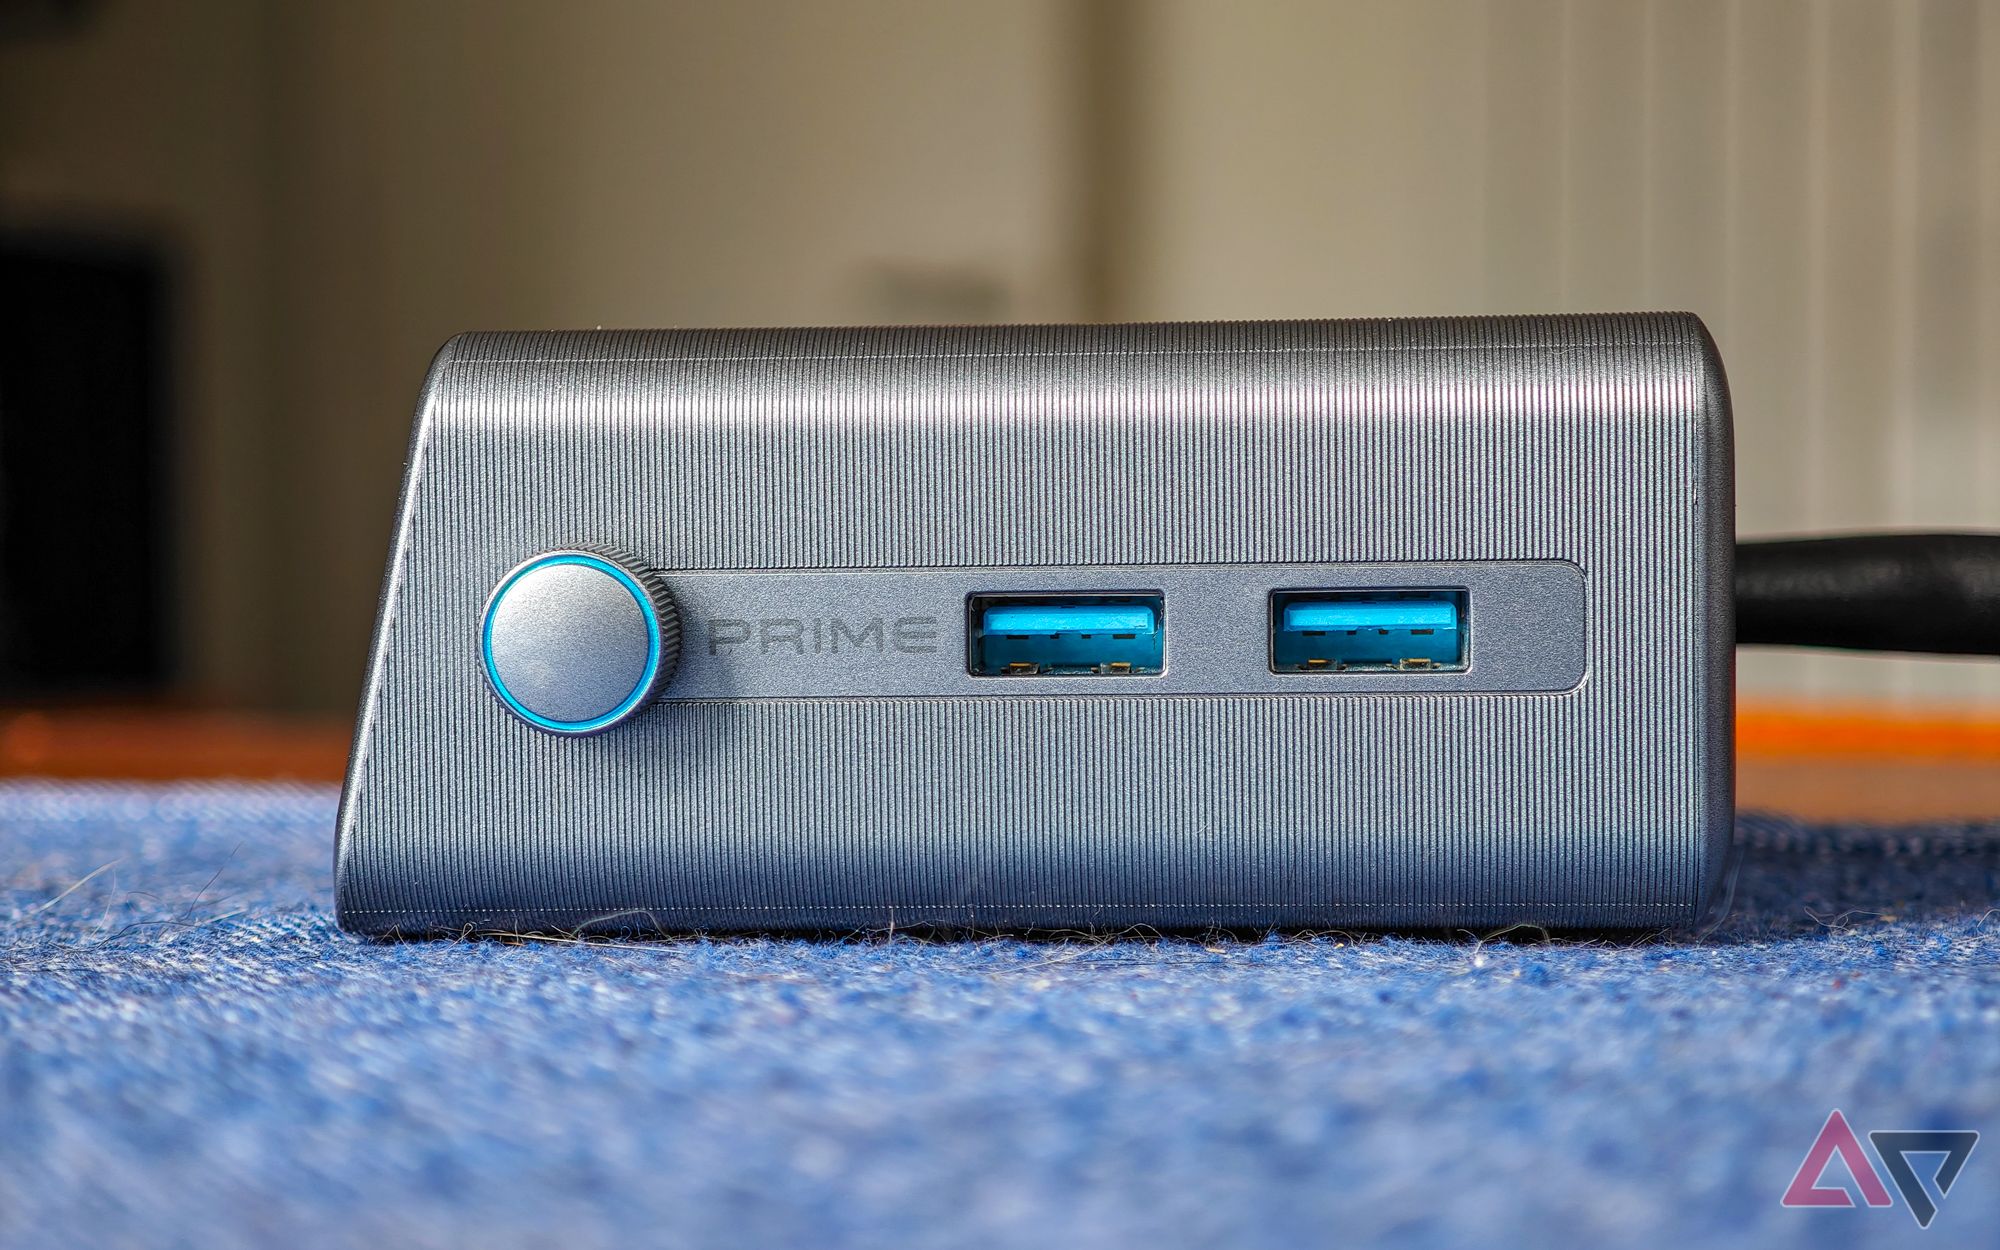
908	633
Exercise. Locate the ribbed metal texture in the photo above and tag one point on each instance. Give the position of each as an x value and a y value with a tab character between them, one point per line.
1599	440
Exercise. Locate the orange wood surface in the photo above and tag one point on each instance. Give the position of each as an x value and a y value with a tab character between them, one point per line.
1862	763
1807	731
1813	761
164	745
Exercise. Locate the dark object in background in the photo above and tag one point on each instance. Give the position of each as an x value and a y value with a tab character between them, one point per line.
45	19
85	486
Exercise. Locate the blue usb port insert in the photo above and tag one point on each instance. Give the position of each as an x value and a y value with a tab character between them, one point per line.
1368	631
1064	635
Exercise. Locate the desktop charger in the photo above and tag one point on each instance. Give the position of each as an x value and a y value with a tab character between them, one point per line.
1398	623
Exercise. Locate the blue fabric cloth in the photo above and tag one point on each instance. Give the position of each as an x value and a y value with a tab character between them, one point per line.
192	1055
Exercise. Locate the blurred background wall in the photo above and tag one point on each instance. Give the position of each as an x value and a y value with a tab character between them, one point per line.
332	189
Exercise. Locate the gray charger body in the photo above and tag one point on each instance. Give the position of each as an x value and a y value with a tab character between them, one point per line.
795	488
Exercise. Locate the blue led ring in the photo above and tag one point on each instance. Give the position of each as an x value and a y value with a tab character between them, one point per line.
647	675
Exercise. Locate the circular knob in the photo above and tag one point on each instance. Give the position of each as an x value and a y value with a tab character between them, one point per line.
575	642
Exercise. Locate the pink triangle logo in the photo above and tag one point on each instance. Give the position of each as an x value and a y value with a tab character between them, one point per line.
1835	1138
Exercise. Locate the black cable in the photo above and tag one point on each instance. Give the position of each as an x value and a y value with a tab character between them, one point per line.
1937	593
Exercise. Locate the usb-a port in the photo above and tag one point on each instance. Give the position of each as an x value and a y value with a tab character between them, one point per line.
1369	631
1065	635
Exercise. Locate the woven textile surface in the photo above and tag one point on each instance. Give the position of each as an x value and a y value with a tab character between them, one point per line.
191	1054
